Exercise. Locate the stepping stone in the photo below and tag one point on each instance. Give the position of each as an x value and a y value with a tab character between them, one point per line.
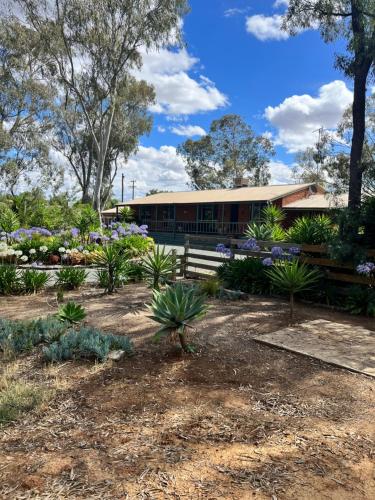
347	346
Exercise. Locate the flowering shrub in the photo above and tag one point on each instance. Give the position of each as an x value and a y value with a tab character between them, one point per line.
366	269
225	251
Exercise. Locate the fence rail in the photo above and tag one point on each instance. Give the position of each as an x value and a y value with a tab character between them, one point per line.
200	258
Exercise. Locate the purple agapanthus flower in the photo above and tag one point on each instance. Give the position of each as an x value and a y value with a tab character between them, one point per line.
251	245
267	262
221	248
294	250
277	252
114	235
80	248
66	244
94	235
74	232
366	269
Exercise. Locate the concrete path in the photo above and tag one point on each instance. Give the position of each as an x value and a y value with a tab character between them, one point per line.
346	346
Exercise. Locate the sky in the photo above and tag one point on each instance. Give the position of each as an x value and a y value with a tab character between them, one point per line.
237	60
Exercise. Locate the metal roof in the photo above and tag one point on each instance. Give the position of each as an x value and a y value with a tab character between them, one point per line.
243	194
320	201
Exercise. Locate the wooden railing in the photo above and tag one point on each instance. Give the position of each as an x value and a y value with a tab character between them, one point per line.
201	259
197	227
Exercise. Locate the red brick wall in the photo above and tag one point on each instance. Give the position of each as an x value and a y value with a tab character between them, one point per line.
300	195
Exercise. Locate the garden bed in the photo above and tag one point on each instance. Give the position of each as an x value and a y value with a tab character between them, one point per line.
236	420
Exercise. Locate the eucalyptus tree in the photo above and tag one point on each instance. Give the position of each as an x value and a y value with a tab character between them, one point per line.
24	100
97	43
231	149
355	21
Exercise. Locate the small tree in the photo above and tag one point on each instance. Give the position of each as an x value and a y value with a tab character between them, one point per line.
292	277
158	266
112	258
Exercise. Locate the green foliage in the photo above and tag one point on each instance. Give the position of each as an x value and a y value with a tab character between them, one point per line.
210	287
70	278
20	336
292	277
8	219
246	275
34	280
368	221
86	219
113	259
17	398
158	266
261	232
311	230
135	245
175	308
361	300
9	279
72	313
127	214
272	215
87	343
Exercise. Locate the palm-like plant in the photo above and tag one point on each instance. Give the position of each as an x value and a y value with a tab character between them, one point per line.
175	308
8	219
271	214
261	232
292	277
113	259
72	313
158	266
127	214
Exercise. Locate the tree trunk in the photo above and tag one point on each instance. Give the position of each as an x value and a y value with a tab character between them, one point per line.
183	343
359	129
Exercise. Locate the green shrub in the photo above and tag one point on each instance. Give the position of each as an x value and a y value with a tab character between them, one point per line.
261	232
158	266
86	219
17	398
292	277
70	278
9	221
311	230
115	263
210	287
33	280
72	313
246	275
127	214
361	300
273	215
135	245
9	279
175	308
87	343
20	336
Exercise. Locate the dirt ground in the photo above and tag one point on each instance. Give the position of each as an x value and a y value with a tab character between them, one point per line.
236	420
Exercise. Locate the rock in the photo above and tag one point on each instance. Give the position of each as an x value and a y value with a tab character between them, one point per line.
116	355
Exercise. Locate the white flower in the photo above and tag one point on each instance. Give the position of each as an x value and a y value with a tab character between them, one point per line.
68	251
43	249
74	250
11	251
32	251
62	249
85	252
18	253
24	258
3	233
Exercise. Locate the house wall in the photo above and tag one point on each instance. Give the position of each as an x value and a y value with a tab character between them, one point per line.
186	213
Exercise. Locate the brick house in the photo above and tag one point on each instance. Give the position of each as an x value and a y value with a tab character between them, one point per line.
223	211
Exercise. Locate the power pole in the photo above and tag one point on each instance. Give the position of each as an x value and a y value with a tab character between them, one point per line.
133	188
122	187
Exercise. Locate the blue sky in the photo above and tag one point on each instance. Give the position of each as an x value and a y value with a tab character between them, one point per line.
237	60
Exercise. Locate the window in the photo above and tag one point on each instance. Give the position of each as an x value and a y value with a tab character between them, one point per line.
256	210
146	213
207	213
166	212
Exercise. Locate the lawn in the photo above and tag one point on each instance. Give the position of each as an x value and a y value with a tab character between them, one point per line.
235	420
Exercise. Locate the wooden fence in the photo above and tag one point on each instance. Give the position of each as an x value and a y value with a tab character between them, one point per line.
200	258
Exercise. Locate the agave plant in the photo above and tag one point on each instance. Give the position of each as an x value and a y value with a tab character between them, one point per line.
158	266
261	232
34	280
113	259
175	308
292	277
71	312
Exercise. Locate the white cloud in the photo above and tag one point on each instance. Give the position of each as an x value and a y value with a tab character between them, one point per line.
161	129
234	12
266	27
188	130
154	168
177	93
281	3
281	173
298	117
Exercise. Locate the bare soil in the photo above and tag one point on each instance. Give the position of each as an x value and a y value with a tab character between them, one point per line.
236	420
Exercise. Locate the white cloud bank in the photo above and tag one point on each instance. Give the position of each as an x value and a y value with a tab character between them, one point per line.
266	27
298	117
188	130
177	93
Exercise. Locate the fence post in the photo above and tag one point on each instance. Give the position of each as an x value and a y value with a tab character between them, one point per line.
186	251
233	248
174	260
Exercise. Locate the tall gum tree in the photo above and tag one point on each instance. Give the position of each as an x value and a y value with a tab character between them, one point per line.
355	21
99	42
